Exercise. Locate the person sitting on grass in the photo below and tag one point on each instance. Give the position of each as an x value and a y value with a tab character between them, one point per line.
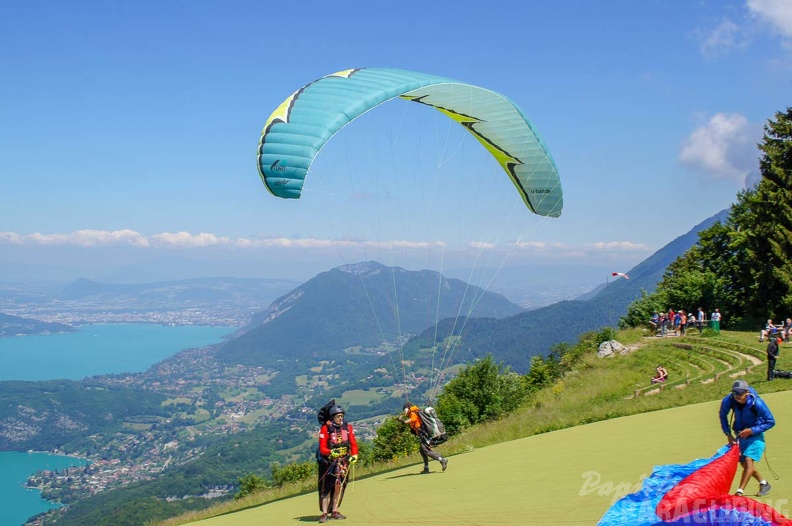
786	332
769	331
661	376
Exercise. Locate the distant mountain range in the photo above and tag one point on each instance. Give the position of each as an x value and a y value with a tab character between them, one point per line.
516	339
355	305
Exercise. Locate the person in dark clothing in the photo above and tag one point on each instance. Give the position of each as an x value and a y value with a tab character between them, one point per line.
338	449
772	356
412	419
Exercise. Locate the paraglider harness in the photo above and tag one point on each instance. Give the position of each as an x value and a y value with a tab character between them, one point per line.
432	430
338	442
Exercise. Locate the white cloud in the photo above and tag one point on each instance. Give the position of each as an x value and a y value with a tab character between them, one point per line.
81	238
481	245
777	13
721	39
186	240
10	238
723	148
585	250
729	35
182	240
619	246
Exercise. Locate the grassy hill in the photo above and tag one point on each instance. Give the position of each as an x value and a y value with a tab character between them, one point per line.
569	453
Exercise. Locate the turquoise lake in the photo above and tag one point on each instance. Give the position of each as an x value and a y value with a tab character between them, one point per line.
99	349
93	350
17	503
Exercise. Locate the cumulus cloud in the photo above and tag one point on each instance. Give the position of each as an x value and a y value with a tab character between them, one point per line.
721	39
723	148
79	238
585	250
185	240
729	35
776	13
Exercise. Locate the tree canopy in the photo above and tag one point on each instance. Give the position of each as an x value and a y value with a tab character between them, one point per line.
743	267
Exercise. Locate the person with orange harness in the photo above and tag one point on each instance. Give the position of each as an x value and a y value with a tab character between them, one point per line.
412	419
338	450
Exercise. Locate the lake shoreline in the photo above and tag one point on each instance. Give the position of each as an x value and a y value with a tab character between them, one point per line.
94	350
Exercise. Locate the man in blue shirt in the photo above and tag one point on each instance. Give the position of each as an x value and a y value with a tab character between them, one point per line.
752	418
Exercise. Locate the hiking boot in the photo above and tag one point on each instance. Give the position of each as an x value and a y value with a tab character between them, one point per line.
764	489
337	516
425	470
738	493
323	518
444	463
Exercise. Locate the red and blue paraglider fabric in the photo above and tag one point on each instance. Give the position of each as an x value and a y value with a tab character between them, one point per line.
694	493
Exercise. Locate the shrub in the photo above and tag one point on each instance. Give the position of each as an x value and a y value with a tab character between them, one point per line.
248	484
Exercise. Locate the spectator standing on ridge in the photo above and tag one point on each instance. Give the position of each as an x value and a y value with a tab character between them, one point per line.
752	418
412	419
772	356
716	319
338	449
700	319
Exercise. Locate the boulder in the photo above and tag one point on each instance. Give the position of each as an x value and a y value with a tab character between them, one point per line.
609	348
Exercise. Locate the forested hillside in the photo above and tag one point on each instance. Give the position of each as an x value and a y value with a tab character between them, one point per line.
366	306
516	339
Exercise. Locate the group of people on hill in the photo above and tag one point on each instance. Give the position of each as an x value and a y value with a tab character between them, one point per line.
679	320
338	453
774	331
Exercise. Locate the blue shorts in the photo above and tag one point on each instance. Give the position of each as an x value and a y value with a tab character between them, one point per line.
752	447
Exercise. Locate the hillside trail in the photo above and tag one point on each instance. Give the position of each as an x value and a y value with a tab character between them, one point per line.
731	371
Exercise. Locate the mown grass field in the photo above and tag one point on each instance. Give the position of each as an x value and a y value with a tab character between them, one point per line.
569	454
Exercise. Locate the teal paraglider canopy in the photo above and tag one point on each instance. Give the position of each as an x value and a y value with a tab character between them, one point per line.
300	126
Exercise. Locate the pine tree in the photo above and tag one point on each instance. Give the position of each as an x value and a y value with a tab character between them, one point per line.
743	266
773	208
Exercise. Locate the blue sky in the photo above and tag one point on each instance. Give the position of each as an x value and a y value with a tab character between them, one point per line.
129	130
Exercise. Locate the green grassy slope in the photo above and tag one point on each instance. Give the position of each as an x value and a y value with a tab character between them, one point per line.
570	476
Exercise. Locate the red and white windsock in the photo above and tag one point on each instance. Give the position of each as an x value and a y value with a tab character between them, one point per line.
622	274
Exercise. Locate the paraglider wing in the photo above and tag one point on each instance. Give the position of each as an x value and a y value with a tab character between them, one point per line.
305	121
694	493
